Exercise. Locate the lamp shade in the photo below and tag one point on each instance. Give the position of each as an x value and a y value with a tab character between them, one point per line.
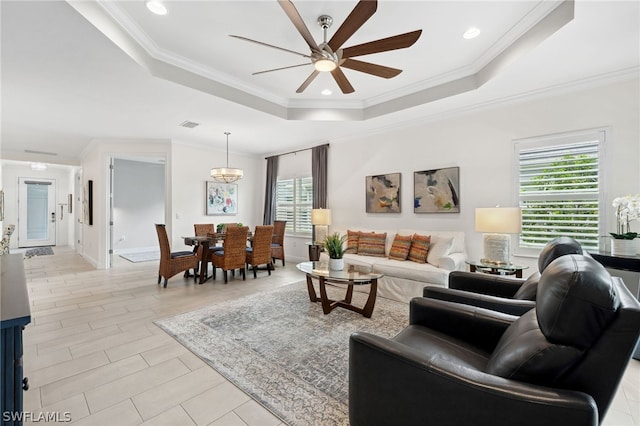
499	220
321	217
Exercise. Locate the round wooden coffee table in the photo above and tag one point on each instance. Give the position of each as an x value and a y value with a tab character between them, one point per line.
350	276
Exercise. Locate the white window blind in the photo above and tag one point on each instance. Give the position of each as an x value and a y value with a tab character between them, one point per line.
560	188
293	203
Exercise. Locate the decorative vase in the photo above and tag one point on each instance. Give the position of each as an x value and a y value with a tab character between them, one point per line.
623	247
336	264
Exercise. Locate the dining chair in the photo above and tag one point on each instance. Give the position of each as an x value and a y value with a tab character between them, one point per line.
277	242
173	263
233	254
202	229
260	251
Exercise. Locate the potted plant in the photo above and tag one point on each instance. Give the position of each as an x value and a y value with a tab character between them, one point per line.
627	210
334	245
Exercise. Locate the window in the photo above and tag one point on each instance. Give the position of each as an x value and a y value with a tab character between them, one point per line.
559	188
294	199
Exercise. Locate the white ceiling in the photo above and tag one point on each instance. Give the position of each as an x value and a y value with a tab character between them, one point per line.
73	72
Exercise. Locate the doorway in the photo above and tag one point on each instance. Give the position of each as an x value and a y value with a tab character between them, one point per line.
37	212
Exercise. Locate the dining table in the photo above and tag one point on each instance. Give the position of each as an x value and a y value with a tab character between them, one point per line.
206	241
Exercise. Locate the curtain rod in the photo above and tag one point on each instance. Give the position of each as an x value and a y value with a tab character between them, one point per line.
293	152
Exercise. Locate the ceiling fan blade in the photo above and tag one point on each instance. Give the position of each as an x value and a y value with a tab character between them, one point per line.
358	16
308	81
295	17
399	41
283	68
369	68
269	45
342	81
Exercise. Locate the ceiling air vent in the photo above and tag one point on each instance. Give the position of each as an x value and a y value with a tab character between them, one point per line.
189	124
30	151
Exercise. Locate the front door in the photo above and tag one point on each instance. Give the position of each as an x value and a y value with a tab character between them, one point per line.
37	212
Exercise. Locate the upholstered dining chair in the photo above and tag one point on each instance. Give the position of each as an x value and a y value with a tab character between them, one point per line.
559	363
260	251
508	295
234	252
173	263
277	242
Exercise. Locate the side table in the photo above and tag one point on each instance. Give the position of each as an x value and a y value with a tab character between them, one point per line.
624	263
315	248
490	268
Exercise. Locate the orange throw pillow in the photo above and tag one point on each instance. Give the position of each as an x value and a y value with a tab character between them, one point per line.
352	241
400	248
419	248
371	244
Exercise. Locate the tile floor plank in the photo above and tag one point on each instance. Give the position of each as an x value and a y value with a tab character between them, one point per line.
75	306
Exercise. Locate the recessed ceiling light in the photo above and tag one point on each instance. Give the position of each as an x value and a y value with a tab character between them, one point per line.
38	166
326	92
472	32
156	7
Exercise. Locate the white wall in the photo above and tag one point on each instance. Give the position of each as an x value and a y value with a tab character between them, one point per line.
191	167
138	201
63	175
481	144
95	166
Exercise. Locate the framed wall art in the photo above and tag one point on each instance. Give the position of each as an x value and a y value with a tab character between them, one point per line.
88	203
221	198
382	193
437	191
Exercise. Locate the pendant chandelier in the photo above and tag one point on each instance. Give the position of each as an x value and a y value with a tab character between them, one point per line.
226	174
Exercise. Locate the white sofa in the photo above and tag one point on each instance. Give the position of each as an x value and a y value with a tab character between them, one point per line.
404	280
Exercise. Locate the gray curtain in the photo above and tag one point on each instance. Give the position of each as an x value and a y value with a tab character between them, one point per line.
319	175
270	191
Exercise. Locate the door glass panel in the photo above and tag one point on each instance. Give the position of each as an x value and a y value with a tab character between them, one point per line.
37	212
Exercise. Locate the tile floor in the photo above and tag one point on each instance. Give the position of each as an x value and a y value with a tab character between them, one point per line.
93	351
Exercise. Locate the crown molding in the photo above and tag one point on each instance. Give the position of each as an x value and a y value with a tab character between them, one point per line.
541	22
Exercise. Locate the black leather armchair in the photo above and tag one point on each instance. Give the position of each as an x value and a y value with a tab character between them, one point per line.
508	295
455	364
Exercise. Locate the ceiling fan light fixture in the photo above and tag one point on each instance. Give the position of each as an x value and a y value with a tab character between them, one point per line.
226	174
324	65
156	7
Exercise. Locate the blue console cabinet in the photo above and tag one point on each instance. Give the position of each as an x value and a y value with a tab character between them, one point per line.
15	314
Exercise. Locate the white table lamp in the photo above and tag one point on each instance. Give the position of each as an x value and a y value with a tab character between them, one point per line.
497	223
320	219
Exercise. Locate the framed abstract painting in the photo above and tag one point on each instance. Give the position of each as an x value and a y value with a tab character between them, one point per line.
221	198
383	193
437	191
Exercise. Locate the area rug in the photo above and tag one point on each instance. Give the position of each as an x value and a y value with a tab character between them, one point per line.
38	251
280	348
142	256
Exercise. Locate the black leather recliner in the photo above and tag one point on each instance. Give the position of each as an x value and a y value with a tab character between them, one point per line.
455	364
508	295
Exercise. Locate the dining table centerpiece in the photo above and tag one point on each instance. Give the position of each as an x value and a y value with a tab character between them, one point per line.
623	240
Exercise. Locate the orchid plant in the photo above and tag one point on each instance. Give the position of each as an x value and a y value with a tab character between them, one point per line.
627	210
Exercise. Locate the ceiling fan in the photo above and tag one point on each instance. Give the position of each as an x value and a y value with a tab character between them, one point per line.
329	56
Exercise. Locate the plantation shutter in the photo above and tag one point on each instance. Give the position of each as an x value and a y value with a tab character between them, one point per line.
304	202
284	202
293	203
559	189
